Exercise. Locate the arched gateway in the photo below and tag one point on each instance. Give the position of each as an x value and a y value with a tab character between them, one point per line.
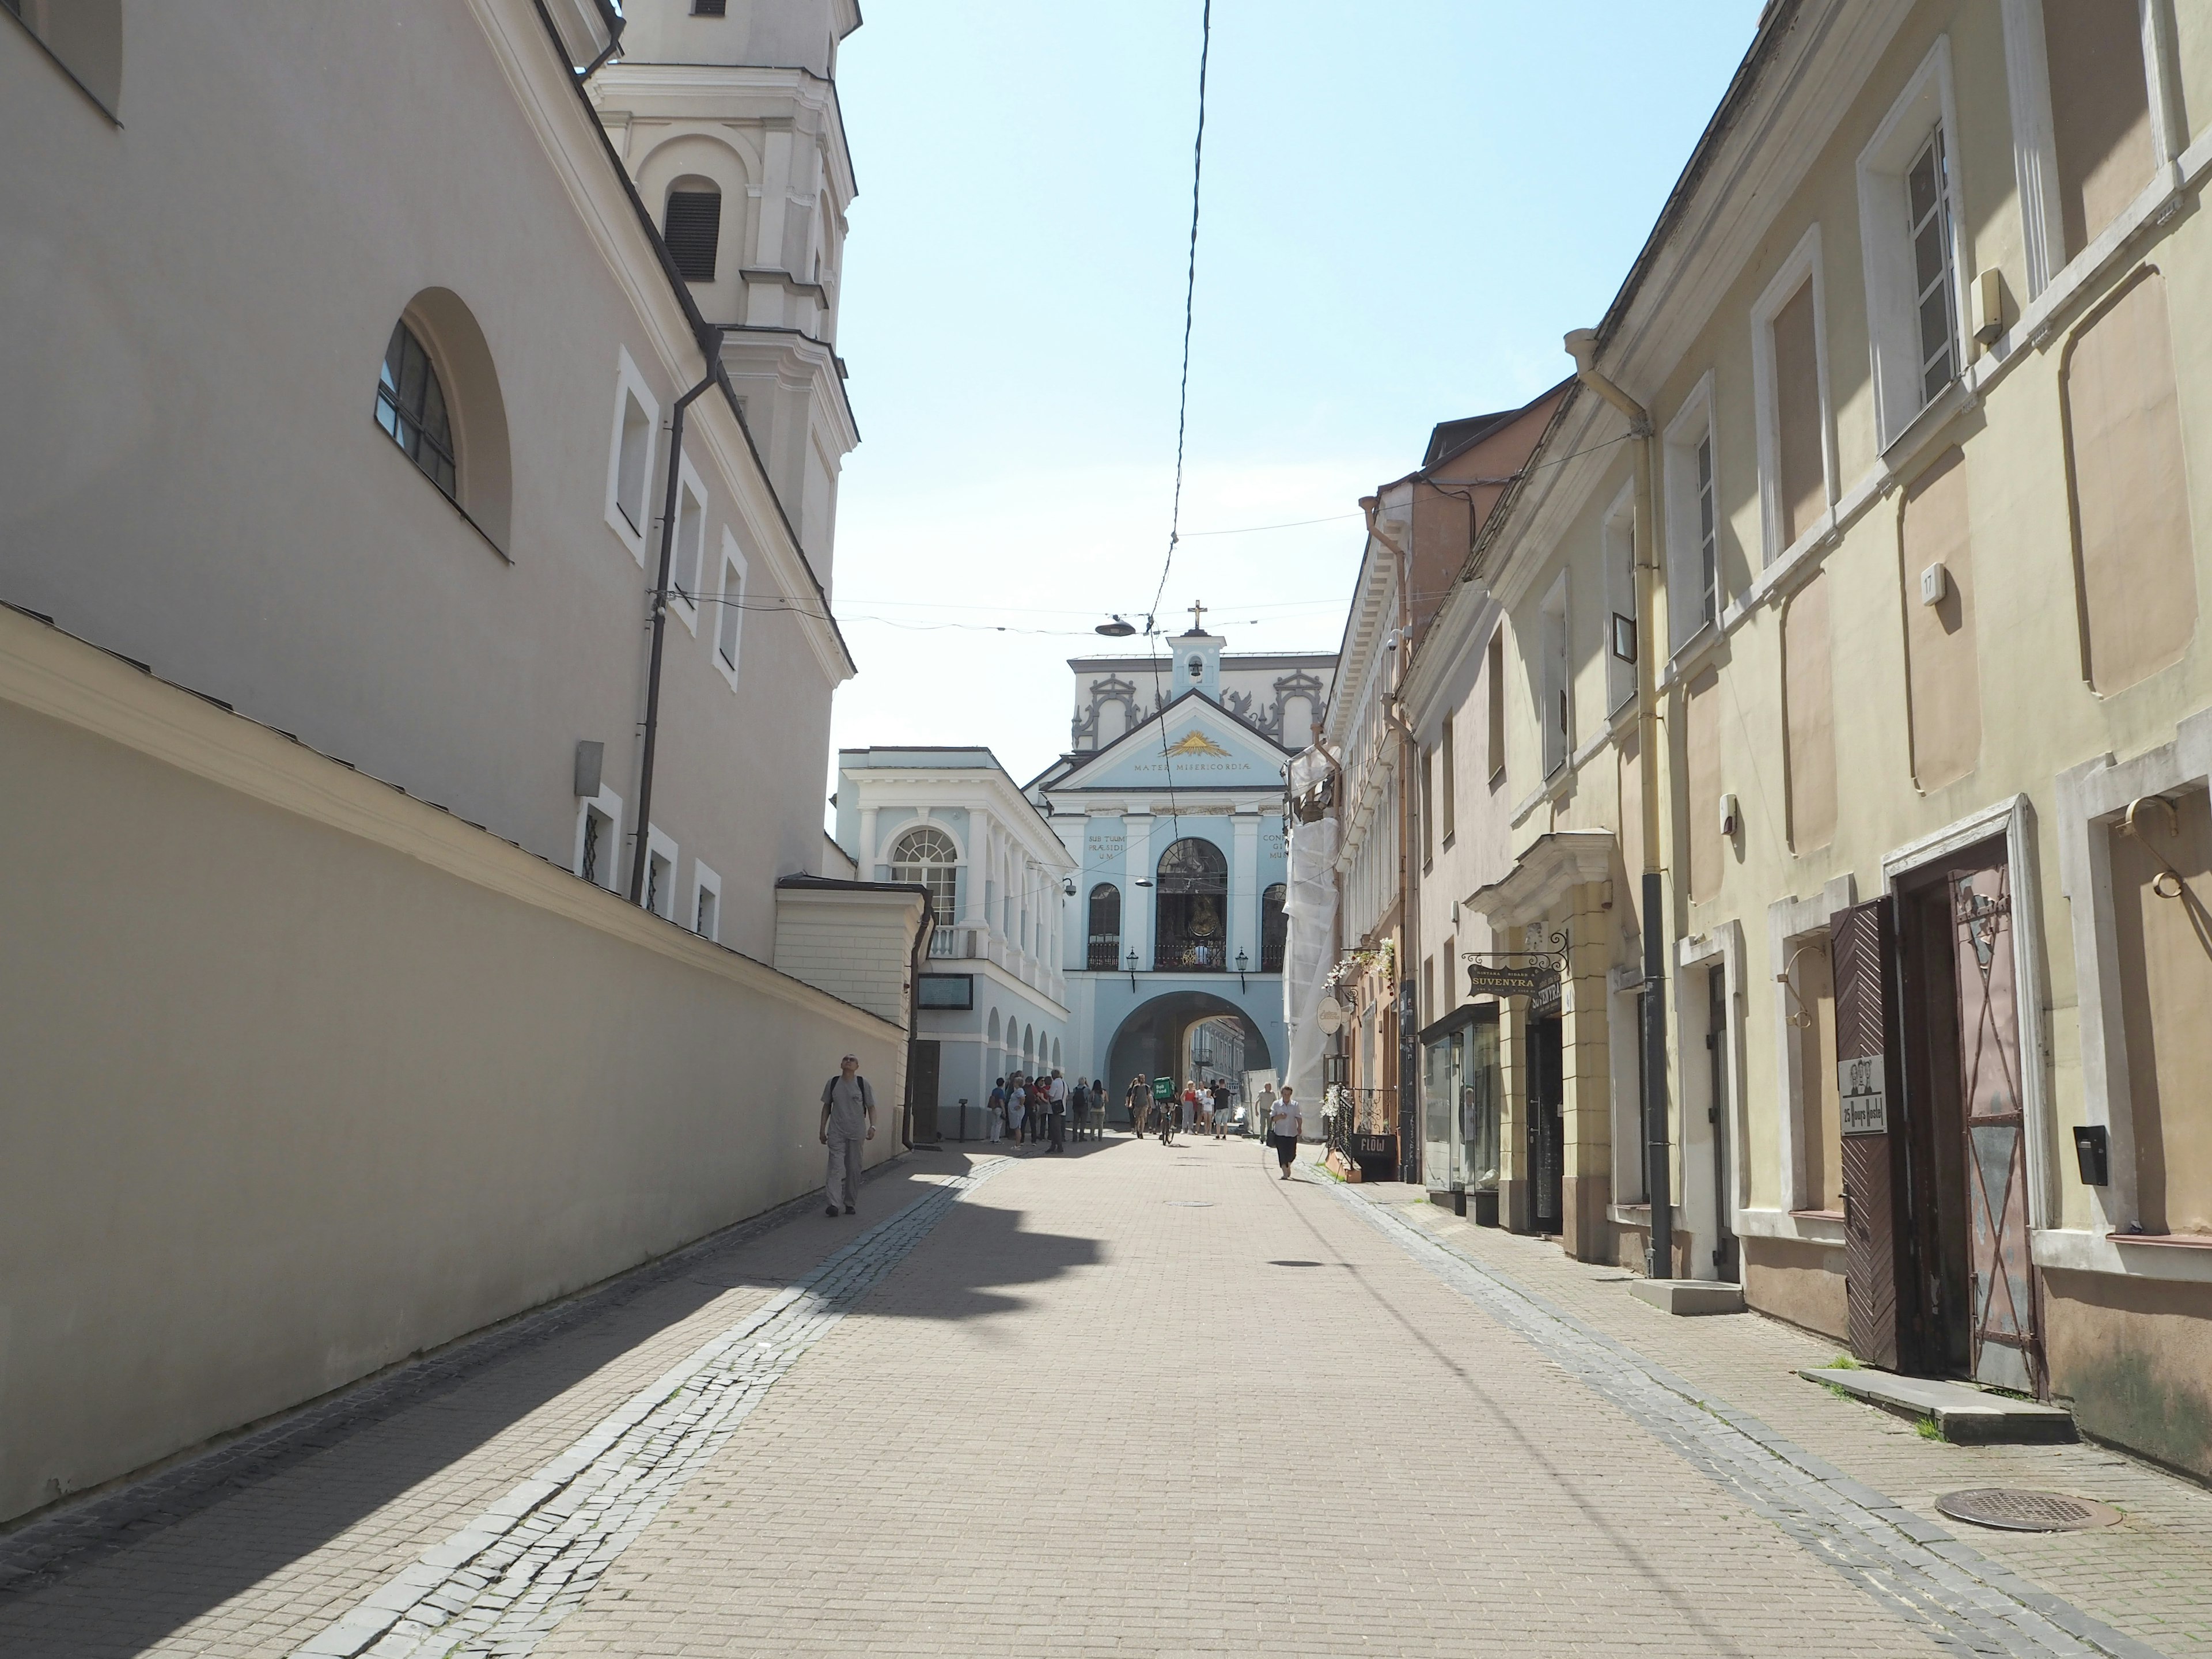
1154	1040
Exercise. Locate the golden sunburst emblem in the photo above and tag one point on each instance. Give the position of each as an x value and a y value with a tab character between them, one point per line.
1195	742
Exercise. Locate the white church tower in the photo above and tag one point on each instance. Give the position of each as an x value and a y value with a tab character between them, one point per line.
725	113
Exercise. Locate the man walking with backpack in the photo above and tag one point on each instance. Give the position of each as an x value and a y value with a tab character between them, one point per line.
849	1107
1055	1107
1078	1102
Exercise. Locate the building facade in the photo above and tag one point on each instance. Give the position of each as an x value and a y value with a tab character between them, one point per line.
1851	600
994	997
1171	808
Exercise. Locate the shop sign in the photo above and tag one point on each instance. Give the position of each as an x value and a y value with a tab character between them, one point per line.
1515	979
1865	1101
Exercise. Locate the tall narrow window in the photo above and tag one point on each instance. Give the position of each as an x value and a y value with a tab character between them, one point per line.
1450	806
732	610
2100	117
1557	710
1428	807
927	858
1929	223
1799	444
1274	928
410	405
659	882
598	828
690	533
1708	544
634	450
1493	674
1104	953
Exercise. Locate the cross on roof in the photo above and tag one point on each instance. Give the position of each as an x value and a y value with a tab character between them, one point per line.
1198	619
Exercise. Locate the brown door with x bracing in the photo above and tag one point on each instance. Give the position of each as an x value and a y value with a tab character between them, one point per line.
2006	1349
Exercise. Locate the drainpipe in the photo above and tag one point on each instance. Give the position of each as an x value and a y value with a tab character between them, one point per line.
914	1022
660	631
616	22
1658	1180
1408	788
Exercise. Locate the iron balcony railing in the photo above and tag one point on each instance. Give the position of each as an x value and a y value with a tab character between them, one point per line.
1105	955
1188	956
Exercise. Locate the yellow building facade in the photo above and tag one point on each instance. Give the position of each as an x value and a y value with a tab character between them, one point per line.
1885	492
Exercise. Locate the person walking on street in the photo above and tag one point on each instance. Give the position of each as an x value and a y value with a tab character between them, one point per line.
849	1107
1078	1102
1284	1125
1220	1110
1140	1095
1056	1112
995	1110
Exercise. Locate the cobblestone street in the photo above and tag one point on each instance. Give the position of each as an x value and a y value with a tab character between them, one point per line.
1137	1400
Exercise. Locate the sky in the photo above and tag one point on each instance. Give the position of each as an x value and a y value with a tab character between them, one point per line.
1406	204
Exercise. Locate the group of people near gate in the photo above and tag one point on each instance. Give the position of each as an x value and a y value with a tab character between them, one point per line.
1026	1110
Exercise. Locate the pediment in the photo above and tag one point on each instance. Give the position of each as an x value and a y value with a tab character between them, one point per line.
1195	742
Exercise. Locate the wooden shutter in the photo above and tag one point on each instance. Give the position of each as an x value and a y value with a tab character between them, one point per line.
1869	1065
694	229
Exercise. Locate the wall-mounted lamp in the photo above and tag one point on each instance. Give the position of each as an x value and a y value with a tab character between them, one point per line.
1133	969
1241	960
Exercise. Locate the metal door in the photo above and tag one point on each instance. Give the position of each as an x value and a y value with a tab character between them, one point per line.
1717	1115
1860	945
2006	1351
1546	1101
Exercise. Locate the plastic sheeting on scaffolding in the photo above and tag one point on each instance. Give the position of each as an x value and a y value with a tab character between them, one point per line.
1309	908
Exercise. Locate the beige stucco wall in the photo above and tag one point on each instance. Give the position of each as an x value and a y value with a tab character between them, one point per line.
305	1076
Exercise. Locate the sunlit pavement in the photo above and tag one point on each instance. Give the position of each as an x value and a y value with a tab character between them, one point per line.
1132	1399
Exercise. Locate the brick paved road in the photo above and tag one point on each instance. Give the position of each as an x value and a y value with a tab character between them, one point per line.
1140	1401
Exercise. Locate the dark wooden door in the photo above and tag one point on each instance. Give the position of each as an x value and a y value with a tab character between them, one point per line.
1717	1115
1862	944
2006	1350
922	1082
1546	1142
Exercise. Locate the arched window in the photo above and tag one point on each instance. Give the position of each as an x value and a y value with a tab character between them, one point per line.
438	398
1029	1048
410	405
927	857
1055	1053
1274	929
1105	953
692	226
1193	908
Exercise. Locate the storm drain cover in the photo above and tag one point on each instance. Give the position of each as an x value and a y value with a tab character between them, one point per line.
1192	1203
2016	1511
1294	1264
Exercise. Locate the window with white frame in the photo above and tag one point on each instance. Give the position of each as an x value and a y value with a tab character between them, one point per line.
706	903
927	858
2092	86
1694	596
1910	215
629	462
1557	711
1789	382
685	554
599	839
1618	534
729	609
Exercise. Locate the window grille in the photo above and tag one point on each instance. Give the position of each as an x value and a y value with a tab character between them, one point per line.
410	406
702	923
1274	928
1192	906
1105	949
692	230
1929	213
591	823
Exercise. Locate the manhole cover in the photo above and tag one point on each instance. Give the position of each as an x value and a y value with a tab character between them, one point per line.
2016	1511
1192	1203
1294	1264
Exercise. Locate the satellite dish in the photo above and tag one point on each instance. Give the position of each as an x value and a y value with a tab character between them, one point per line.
1329	1016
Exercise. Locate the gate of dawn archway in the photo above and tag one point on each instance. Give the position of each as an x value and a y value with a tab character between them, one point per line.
1154	1039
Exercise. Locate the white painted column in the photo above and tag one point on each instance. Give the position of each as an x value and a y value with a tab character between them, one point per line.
1137	906
979	866
1244	889
864	854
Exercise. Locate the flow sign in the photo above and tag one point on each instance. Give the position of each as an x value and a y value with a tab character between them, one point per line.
1865	1103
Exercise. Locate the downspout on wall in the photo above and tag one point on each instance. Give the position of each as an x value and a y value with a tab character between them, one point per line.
1659	1263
